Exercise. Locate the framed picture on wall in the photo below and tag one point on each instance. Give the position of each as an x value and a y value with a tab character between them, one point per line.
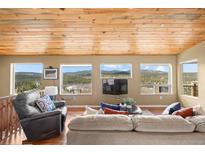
50	74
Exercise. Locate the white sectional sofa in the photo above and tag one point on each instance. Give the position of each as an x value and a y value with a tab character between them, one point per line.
139	129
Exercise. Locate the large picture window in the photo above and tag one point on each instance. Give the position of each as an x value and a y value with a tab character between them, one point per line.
25	77
155	78
76	79
190	78
116	71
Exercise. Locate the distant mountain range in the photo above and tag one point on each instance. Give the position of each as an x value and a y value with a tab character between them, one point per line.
116	72
84	76
28	76
80	73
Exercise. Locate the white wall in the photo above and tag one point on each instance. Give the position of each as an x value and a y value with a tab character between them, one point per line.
196	52
133	84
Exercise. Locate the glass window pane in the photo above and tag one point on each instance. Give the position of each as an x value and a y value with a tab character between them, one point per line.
190	79
27	77
155	79
76	79
116	70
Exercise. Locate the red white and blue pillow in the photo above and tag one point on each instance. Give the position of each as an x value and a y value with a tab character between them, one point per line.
104	105
172	108
45	104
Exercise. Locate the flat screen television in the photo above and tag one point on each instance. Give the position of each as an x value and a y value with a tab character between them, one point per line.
115	86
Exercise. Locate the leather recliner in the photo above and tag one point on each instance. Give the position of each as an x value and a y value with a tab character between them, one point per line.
39	125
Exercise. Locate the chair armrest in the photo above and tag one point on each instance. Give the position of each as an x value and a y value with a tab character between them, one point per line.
42	115
42	125
59	104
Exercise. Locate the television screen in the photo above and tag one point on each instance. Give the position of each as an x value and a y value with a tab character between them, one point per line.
115	86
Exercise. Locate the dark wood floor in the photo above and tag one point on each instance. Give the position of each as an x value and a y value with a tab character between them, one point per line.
17	139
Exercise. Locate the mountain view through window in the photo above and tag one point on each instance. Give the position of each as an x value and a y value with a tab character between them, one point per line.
190	79
27	77
76	79
155	79
116	70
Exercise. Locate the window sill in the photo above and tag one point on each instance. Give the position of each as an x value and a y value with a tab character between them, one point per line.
75	94
115	78
192	97
169	94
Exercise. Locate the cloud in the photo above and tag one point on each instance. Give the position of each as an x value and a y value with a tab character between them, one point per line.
121	67
113	66
147	67
161	68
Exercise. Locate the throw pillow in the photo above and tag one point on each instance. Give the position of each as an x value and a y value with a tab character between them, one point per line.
89	111
49	101
42	105
110	111
104	105
45	104
172	108
198	110
100	111
185	112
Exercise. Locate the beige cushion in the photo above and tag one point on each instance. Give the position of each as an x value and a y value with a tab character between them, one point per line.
198	110
162	123
101	122
199	121
89	111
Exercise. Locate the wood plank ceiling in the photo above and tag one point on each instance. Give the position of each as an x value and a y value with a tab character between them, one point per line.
99	31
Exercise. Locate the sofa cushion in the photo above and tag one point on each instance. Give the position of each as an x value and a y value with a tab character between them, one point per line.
24	104
110	106
185	112
199	121
30	97
162	123
101	122
110	111
172	108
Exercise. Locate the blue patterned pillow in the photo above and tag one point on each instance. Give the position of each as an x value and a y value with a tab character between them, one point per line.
45	104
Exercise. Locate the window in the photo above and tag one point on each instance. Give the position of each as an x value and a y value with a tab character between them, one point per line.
155	78
190	78
26	77
76	79
116	71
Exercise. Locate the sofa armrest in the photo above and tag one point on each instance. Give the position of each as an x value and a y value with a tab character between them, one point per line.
59	103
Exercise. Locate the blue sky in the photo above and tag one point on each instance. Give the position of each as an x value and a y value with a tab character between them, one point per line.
120	67
37	68
190	67
76	68
163	68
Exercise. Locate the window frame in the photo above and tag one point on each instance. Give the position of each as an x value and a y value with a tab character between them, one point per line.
181	77
131	73
170	79
61	80
13	77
